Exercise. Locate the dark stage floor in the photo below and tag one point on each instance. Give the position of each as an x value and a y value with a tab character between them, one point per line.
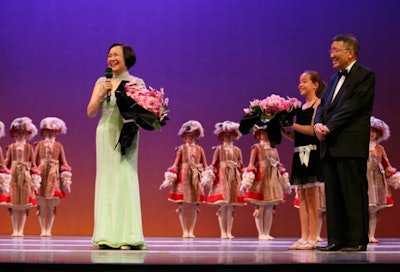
67	253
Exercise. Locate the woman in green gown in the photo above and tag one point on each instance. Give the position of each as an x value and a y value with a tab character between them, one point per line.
117	210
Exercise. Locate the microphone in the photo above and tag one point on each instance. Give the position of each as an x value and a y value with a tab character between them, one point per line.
108	74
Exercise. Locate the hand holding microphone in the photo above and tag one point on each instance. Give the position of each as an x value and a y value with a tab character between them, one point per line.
108	75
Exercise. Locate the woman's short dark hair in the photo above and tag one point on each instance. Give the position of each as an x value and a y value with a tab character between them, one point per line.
129	54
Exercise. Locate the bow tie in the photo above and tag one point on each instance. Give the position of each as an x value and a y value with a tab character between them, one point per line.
343	73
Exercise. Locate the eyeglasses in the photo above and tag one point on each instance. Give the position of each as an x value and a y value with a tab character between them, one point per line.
336	51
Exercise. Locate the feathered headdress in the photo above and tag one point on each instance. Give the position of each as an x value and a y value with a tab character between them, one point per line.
2	132
192	126
381	127
227	127
23	123
53	123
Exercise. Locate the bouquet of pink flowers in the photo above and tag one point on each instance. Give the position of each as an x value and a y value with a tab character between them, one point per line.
273	112
272	105
139	107
150	99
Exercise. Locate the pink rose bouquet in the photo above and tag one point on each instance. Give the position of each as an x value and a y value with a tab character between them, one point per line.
270	106
272	112
150	99
139	108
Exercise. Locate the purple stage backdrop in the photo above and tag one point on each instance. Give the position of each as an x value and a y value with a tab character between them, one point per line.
211	57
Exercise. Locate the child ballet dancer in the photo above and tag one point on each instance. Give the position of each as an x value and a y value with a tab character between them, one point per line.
380	175
184	176
54	170
25	177
223	176
265	180
5	177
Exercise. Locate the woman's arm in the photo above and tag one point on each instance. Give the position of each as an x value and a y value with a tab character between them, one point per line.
99	94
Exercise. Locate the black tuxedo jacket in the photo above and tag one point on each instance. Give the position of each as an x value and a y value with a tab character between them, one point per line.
348	116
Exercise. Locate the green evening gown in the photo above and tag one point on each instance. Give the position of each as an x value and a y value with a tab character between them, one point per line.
117	209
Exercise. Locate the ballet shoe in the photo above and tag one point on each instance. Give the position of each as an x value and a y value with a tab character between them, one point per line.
269	237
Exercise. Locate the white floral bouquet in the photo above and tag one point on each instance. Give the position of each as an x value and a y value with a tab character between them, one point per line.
139	107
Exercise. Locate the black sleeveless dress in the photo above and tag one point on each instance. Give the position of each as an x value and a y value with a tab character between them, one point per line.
305	176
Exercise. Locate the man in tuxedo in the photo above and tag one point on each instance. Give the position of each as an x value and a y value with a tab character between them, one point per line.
342	124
